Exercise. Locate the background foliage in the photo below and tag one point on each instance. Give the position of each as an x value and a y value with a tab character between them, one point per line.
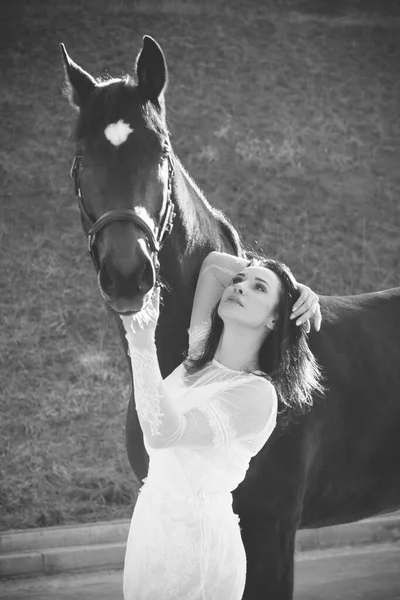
286	113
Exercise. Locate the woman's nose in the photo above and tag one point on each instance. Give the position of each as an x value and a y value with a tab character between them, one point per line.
239	288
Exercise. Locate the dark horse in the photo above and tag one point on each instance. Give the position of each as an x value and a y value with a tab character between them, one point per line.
338	463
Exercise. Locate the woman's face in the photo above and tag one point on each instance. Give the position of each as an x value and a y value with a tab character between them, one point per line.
251	298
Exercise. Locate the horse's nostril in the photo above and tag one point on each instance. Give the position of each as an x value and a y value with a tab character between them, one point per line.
106	283
116	283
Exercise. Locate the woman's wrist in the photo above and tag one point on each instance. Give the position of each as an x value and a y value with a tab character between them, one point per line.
143	338
223	260
220	268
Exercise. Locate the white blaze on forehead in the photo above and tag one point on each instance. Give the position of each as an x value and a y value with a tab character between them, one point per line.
117	133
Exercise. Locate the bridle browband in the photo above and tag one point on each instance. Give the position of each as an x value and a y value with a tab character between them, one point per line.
92	228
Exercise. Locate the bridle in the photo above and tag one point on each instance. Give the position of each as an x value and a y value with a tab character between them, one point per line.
92	228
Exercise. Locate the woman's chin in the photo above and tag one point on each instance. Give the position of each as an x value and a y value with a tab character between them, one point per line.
235	320
232	317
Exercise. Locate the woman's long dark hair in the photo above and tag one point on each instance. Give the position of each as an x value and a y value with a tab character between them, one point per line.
284	357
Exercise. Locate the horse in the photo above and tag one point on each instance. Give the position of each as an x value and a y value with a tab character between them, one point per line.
146	219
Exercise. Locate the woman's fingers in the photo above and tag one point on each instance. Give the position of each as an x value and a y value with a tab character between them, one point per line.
155	304
125	321
128	323
304	302
305	308
309	311
147	317
300	301
317	318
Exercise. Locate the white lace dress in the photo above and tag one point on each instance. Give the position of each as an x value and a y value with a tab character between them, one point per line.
200	432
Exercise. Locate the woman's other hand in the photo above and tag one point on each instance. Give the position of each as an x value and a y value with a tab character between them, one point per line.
306	309
144	323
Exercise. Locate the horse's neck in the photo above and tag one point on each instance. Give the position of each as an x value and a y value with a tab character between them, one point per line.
204	227
193	190
198	229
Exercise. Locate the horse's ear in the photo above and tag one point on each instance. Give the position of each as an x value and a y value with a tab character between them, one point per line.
151	70
79	84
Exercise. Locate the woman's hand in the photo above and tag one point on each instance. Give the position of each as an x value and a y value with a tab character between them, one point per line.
306	309
143	324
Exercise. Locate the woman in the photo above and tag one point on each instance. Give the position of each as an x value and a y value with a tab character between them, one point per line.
206	420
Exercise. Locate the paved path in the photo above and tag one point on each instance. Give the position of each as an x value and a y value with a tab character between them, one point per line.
363	573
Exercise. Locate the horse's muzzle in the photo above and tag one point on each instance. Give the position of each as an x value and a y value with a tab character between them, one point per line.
126	292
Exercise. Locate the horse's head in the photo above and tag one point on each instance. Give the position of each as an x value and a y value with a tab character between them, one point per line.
122	171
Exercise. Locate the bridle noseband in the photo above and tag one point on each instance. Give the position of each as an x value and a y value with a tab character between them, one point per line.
92	228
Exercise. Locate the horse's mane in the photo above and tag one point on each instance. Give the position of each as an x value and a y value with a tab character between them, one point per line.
223	221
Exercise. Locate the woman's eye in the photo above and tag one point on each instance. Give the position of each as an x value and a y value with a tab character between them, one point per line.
260	287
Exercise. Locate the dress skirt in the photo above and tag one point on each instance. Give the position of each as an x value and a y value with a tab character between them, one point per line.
184	548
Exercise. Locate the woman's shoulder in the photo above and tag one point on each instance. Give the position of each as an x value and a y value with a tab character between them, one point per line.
256	379
263	383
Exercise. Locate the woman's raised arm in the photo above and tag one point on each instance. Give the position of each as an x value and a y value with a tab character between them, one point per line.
216	272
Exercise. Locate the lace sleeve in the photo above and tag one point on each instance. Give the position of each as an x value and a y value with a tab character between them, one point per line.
160	422
236	411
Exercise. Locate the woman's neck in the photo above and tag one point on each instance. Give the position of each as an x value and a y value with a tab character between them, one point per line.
238	348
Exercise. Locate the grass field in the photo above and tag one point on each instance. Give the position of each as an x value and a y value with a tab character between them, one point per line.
287	116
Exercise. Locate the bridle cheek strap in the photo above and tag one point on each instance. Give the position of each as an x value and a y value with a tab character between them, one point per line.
92	228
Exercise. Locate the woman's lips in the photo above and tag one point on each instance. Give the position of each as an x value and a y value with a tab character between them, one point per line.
234	299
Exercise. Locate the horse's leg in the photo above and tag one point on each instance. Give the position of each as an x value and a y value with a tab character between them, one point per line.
269	545
137	455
